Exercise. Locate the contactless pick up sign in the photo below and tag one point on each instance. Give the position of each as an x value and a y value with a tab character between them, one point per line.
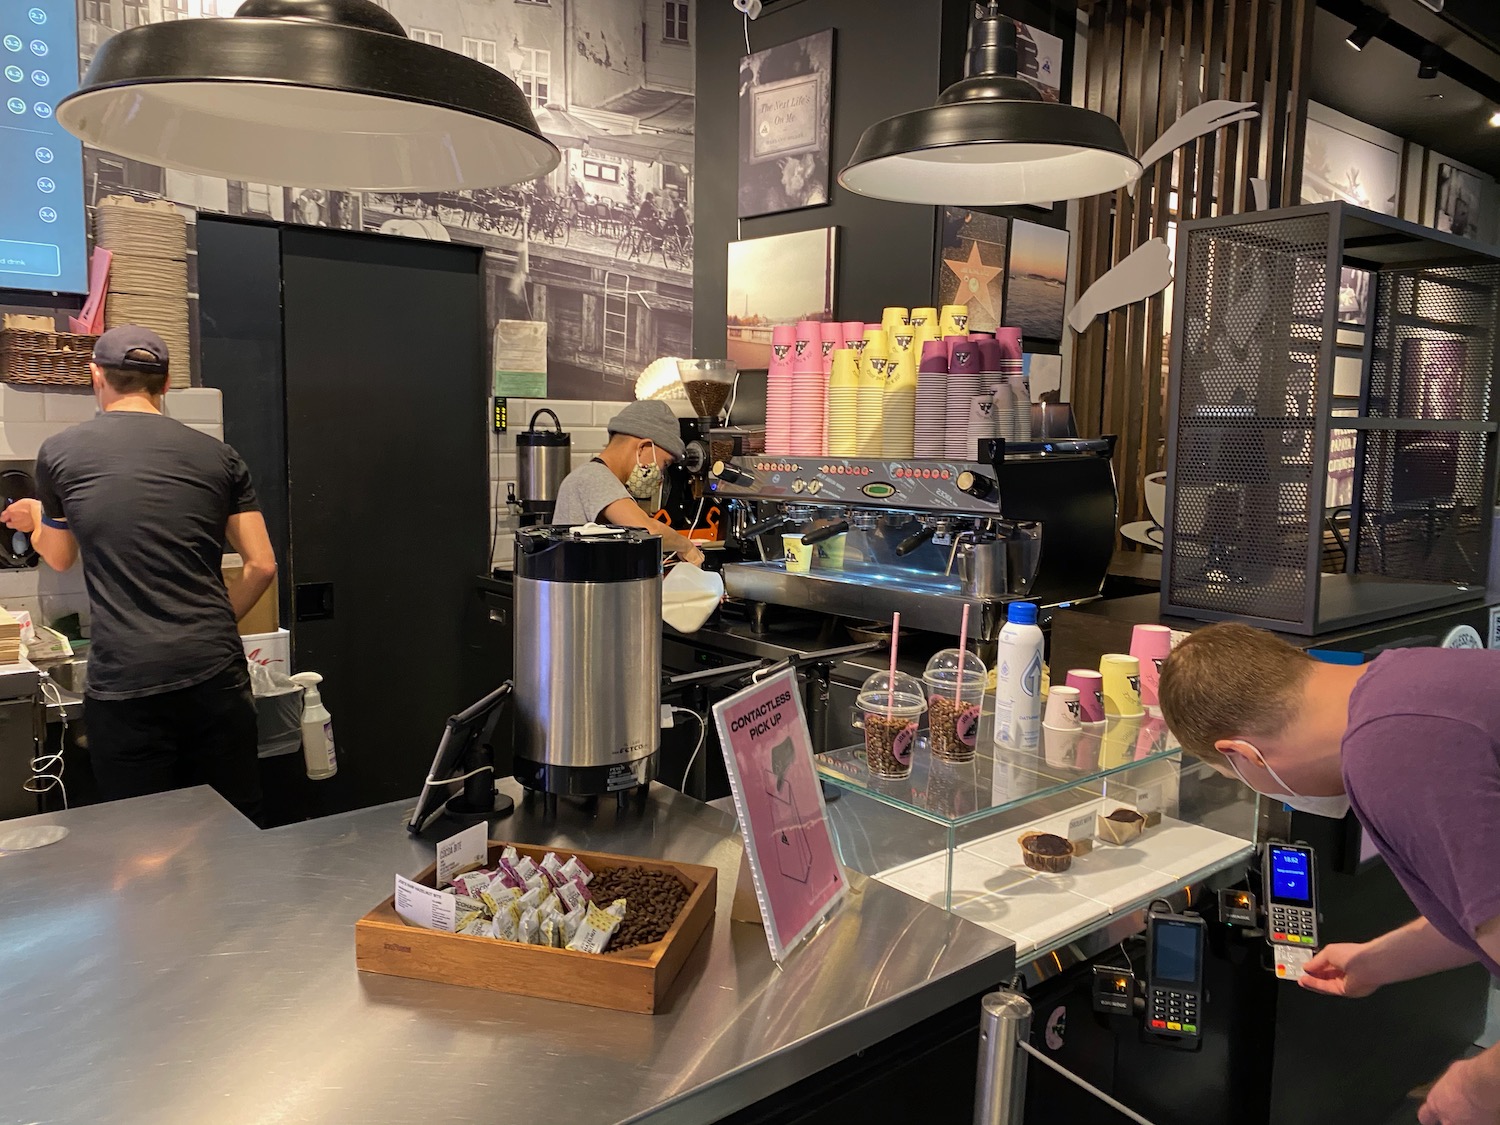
768	755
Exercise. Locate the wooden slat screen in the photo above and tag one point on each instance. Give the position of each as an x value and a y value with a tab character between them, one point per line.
1148	62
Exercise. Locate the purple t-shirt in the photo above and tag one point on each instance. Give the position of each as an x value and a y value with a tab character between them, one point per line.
1421	762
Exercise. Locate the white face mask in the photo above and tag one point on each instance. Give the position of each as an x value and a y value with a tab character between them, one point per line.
1335	808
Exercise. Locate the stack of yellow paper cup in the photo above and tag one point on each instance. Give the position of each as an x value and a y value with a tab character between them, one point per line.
872	376
843	404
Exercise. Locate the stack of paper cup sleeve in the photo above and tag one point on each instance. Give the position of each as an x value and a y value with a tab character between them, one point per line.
148	282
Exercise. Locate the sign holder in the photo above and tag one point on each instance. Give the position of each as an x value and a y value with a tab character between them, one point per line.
789	847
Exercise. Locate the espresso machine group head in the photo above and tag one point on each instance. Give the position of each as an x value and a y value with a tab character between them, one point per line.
1032	521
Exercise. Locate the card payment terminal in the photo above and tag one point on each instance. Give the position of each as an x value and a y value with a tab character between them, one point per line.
1174	997
1291	897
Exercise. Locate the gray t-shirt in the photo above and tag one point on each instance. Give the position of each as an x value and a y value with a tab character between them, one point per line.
148	499
586	492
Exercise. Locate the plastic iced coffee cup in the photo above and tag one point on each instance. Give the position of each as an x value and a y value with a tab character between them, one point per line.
890	712
954	703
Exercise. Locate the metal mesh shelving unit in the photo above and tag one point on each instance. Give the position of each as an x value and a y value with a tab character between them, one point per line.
1252	416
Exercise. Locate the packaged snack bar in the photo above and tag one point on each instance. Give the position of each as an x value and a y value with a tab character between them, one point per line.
597	928
574	869
573	894
570	923
509	855
526	867
552	932
552	866
477	926
471	883
467	910
538	881
509	876
531	928
507	923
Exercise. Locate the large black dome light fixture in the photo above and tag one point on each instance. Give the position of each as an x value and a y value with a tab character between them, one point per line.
307	93
991	140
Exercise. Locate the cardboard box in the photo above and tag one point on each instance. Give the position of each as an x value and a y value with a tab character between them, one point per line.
270	650
632	980
265	615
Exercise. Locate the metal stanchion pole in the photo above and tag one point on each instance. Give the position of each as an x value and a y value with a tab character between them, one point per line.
1005	1023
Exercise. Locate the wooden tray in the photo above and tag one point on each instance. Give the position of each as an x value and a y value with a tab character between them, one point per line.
633	980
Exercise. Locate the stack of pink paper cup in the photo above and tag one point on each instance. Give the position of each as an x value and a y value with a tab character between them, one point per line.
779	391
809	391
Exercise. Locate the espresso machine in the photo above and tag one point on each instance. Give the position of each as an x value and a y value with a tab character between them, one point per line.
1030	520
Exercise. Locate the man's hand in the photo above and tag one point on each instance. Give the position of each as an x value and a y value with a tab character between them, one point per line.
1337	971
1466	1094
691	555
24	516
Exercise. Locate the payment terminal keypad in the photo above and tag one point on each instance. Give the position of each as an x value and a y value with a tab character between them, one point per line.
1172	1012
1294	925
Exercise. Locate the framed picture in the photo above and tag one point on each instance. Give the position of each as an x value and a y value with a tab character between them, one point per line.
1339	164
971	265
1354	296
1457	200
780	279
786	99
1036	281
1039	60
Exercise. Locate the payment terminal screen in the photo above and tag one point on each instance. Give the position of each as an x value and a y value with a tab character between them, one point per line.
42	245
1289	876
1176	953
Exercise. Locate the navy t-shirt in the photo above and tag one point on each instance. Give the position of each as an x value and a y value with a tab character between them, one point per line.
148	499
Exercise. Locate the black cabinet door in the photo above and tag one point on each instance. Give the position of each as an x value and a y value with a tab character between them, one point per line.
388	490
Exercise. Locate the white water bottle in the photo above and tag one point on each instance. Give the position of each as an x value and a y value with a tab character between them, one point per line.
1018	680
317	729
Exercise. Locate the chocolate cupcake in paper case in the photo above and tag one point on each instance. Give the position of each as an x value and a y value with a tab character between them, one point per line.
1046	852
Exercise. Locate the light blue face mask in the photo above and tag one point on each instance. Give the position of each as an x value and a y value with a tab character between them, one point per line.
1335	808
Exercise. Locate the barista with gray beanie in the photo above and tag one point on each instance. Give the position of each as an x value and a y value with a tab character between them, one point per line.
644	438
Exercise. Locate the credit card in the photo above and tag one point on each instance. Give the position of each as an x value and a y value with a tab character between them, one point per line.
1289	961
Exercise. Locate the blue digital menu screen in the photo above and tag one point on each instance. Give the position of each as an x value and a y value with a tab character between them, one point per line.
42	242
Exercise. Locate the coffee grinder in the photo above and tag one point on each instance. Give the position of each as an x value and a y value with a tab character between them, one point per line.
690	503
543	459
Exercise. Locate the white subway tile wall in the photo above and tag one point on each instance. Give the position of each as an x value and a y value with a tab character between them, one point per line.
28	416
586	423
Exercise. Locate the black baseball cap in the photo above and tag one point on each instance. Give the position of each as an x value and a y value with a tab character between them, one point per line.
133	348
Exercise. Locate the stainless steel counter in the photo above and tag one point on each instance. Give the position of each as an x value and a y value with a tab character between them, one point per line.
167	963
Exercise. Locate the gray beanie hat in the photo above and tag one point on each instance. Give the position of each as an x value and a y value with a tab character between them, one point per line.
652	421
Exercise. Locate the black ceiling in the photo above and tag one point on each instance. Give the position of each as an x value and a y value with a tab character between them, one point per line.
1379	85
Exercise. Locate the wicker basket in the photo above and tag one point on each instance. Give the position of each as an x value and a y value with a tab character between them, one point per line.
53	359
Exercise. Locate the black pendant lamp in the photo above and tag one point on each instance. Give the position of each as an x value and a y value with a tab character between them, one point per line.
991	139
307	93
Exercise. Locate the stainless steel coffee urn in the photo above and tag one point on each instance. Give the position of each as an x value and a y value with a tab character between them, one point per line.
588	660
543	459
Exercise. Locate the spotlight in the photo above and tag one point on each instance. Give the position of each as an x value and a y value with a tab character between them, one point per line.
1432	54
1495	121
1370	24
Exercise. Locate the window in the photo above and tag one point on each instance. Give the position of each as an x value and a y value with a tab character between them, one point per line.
97	11
431	38
535	76
598	170
676	21
174	10
480	50
136	13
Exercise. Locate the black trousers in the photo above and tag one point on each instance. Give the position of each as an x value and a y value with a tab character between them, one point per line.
202	735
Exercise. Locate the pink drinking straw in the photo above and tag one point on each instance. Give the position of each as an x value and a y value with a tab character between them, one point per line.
963	650
890	695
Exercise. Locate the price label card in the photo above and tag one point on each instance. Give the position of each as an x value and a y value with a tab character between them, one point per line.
463	852
1081	827
425	907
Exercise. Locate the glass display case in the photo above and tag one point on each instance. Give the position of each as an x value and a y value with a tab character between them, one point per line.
956	834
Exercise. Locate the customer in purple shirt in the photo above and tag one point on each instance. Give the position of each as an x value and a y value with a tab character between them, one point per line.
1410	741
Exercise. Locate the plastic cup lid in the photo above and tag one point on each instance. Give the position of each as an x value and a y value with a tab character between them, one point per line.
943	667
907	700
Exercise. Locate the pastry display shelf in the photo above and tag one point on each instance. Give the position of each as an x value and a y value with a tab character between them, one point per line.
958	846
